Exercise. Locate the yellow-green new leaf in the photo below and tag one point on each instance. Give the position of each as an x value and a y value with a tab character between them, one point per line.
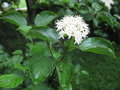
10	80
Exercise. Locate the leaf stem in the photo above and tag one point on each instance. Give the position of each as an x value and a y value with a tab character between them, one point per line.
50	48
65	50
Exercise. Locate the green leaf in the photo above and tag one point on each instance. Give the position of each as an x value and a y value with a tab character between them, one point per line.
100	33
40	86
98	46
15	18
10	80
17	59
117	16
88	17
68	87
65	71
38	48
96	6
95	21
24	28
44	18
65	1
17	52
107	17
40	68
64	11
44	33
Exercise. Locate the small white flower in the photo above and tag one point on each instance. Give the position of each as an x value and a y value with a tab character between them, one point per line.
5	5
108	3
73	26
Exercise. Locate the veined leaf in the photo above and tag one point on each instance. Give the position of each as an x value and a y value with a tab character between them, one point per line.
44	18
40	68
98	46
65	71
44	33
17	59
10	80
15	18
24	28
38	48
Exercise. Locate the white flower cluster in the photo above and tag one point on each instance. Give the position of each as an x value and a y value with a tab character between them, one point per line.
73	26
108	3
5	5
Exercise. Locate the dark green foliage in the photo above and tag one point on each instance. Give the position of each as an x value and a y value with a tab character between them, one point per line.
96	72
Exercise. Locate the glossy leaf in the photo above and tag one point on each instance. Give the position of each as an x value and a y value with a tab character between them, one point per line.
15	18
98	46
38	48
65	71
44	18
40	68
10	80
44	33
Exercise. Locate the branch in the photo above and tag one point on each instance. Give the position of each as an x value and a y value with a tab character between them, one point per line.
31	10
